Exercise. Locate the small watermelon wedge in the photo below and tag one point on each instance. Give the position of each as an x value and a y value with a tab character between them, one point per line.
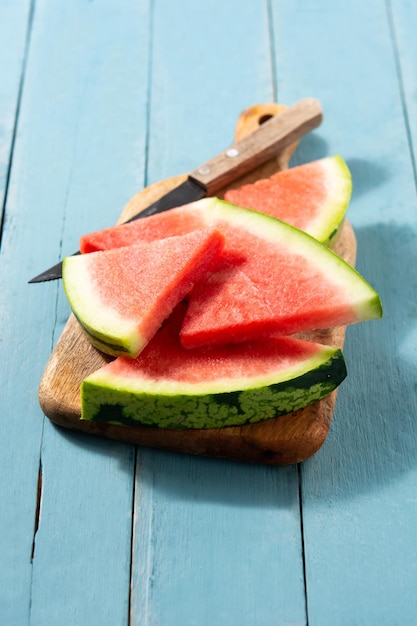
271	279
312	197
122	296
170	387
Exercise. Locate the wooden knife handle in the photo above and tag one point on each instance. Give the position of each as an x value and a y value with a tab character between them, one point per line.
260	146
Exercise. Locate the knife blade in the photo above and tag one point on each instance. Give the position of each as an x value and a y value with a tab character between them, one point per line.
238	159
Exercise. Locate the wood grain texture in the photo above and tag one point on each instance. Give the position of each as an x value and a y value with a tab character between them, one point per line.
289	439
15	25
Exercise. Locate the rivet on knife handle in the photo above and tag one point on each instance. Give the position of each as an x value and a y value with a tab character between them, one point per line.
260	146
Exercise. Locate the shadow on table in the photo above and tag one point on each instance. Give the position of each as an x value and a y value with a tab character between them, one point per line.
221	481
185	477
366	176
373	437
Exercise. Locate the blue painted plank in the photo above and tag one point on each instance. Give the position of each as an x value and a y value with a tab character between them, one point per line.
358	492
215	542
15	25
211	60
403	19
87	513
81	565
21	434
79	155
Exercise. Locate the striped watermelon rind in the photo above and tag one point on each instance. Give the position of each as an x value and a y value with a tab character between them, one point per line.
115	398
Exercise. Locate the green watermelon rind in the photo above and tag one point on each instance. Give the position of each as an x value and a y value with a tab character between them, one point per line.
338	184
122	401
337	201
100	334
127	345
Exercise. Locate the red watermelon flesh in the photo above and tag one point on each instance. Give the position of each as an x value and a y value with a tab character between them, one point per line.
165	359
179	221
122	296
312	197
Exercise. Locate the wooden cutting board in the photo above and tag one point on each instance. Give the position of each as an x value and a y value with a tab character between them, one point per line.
288	439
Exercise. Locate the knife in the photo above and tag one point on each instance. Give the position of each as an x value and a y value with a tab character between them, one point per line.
241	157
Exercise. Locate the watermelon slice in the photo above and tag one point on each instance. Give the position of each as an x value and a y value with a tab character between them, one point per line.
122	296
179	221
170	387
272	279
312	197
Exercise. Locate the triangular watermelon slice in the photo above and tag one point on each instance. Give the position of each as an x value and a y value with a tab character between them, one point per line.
122	296
312	197
170	387
272	279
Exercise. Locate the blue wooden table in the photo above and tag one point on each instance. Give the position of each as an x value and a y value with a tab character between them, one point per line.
98	100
